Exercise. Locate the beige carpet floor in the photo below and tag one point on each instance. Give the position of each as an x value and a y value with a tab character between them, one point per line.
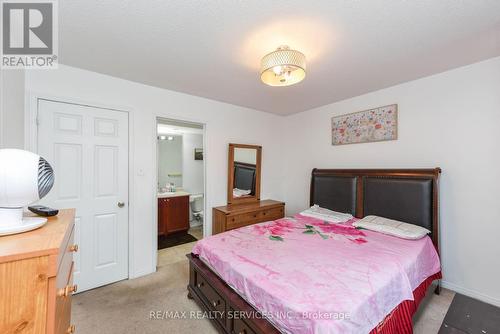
125	307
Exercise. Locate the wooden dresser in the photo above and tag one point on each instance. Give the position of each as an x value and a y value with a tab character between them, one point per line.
229	217
36	278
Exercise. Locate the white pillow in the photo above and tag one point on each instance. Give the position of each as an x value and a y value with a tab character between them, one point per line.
240	192
330	216
392	227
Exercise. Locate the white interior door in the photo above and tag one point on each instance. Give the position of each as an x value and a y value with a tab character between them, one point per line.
88	150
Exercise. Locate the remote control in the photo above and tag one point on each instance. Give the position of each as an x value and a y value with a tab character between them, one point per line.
43	210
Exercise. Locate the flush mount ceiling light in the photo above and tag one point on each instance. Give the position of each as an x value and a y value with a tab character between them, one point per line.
283	67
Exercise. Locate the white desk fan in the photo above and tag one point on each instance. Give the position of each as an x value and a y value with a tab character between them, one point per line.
25	178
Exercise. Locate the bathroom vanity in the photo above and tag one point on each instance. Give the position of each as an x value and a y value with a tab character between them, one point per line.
173	212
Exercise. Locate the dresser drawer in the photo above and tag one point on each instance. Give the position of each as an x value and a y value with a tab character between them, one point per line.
66	242
244	219
64	270
64	288
209	295
240	327
237	221
272	214
63	309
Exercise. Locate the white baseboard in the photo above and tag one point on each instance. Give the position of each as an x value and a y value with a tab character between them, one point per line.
471	293
141	272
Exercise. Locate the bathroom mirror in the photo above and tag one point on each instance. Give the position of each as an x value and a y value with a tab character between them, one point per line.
244	173
170	161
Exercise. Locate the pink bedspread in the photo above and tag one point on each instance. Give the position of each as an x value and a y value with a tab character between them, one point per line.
308	276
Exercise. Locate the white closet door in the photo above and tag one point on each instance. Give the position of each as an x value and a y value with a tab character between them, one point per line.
88	150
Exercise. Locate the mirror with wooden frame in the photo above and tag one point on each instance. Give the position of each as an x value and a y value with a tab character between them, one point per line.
243	173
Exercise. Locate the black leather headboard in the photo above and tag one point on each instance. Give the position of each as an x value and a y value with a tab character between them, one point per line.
403	199
409	195
336	193
244	176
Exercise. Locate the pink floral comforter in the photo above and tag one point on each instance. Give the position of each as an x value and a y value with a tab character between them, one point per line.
309	276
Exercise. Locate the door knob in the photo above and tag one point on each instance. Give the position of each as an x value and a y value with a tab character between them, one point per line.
121	204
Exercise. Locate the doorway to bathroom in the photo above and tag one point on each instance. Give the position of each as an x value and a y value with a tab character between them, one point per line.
180	188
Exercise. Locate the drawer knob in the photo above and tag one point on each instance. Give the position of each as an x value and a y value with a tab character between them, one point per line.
73	289
200	284
73	248
71	329
66	291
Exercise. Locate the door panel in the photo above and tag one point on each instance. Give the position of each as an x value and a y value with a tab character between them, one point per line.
88	149
68	157
106	231
106	178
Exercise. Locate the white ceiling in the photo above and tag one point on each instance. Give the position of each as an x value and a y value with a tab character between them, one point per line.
213	48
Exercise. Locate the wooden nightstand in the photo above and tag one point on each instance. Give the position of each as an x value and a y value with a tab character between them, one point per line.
229	217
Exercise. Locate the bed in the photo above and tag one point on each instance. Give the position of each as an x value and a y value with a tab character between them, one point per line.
269	278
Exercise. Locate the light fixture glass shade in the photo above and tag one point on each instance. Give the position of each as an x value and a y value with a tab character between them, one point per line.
283	67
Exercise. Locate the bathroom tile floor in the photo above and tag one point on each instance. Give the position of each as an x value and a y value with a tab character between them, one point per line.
196	232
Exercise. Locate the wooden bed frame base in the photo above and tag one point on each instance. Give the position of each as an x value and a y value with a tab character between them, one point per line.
230	313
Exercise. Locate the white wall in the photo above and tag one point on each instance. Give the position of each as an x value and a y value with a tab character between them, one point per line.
192	170
450	120
225	124
12	109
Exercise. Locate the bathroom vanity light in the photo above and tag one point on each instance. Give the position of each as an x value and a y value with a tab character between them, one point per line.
283	67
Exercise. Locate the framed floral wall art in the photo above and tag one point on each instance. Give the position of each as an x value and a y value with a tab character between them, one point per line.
378	124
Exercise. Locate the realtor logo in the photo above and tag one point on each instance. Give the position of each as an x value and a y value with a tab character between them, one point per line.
29	34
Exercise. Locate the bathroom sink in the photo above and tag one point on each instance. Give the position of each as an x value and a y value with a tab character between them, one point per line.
173	194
